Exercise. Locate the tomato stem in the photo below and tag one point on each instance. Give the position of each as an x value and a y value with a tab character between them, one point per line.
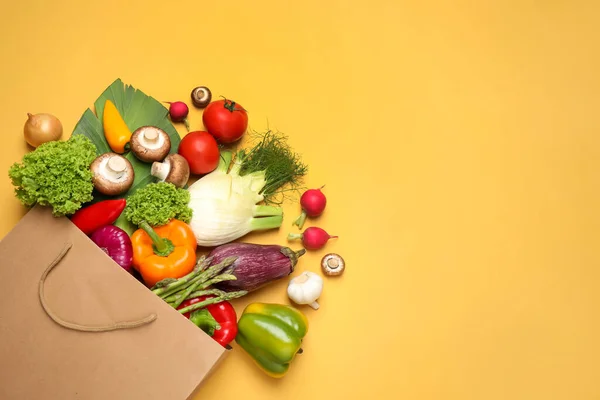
230	105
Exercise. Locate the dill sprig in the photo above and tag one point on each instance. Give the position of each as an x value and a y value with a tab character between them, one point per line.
283	167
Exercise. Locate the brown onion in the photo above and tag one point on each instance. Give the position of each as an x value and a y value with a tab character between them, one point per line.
42	128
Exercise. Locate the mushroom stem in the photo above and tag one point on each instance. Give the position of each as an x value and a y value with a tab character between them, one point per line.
160	170
116	166
150	135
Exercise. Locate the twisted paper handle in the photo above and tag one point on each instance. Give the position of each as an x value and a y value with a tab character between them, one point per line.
77	327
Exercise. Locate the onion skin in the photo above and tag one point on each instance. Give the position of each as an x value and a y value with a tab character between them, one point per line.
42	128
256	265
116	243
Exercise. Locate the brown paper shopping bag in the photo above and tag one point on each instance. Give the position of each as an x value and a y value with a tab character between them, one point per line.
104	335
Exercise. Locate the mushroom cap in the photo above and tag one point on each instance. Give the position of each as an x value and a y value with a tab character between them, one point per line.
149	143
180	170
333	264
201	96
121	169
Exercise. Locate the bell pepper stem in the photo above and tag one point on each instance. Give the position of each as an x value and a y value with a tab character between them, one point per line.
162	247
213	300
205	321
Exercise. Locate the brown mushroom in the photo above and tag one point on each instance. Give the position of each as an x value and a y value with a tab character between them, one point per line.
332	264
201	96
149	143
174	169
112	174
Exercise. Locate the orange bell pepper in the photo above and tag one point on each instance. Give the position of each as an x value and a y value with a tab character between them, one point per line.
167	251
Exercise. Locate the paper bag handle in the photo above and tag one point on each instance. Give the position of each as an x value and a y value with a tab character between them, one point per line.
83	328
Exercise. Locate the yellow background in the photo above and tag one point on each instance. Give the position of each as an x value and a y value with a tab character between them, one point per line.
459	142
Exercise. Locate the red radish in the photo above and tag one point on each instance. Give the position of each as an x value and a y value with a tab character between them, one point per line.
313	238
178	111
313	202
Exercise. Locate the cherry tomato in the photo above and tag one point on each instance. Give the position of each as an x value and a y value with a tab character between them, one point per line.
225	120
201	151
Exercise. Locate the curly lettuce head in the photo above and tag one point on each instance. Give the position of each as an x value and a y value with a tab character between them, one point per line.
56	174
157	204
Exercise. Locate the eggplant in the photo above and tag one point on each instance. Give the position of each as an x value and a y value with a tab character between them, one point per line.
256	265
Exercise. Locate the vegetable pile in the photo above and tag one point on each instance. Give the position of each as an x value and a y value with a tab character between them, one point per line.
123	178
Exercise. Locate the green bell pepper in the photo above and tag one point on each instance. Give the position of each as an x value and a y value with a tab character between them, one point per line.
272	335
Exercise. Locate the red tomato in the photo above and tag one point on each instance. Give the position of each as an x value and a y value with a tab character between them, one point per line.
225	120
201	151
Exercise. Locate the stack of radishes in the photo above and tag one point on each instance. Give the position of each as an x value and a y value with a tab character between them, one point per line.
313	204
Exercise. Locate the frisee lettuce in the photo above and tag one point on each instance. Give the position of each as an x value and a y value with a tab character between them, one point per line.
157	204
56	174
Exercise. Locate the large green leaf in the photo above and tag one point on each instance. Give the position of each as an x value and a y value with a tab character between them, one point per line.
137	109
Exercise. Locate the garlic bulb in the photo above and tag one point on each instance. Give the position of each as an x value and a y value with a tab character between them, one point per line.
306	289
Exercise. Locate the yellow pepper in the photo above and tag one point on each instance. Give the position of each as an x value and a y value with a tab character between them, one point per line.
115	129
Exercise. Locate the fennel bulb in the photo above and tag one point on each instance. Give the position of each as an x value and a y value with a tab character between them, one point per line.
225	205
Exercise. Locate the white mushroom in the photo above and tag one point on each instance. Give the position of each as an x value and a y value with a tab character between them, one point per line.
112	174
149	143
333	264
174	169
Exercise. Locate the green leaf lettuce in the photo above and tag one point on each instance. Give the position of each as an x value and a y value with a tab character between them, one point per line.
56	174
157	204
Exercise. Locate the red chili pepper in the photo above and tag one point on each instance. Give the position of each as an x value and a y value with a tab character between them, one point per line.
218	320
97	215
